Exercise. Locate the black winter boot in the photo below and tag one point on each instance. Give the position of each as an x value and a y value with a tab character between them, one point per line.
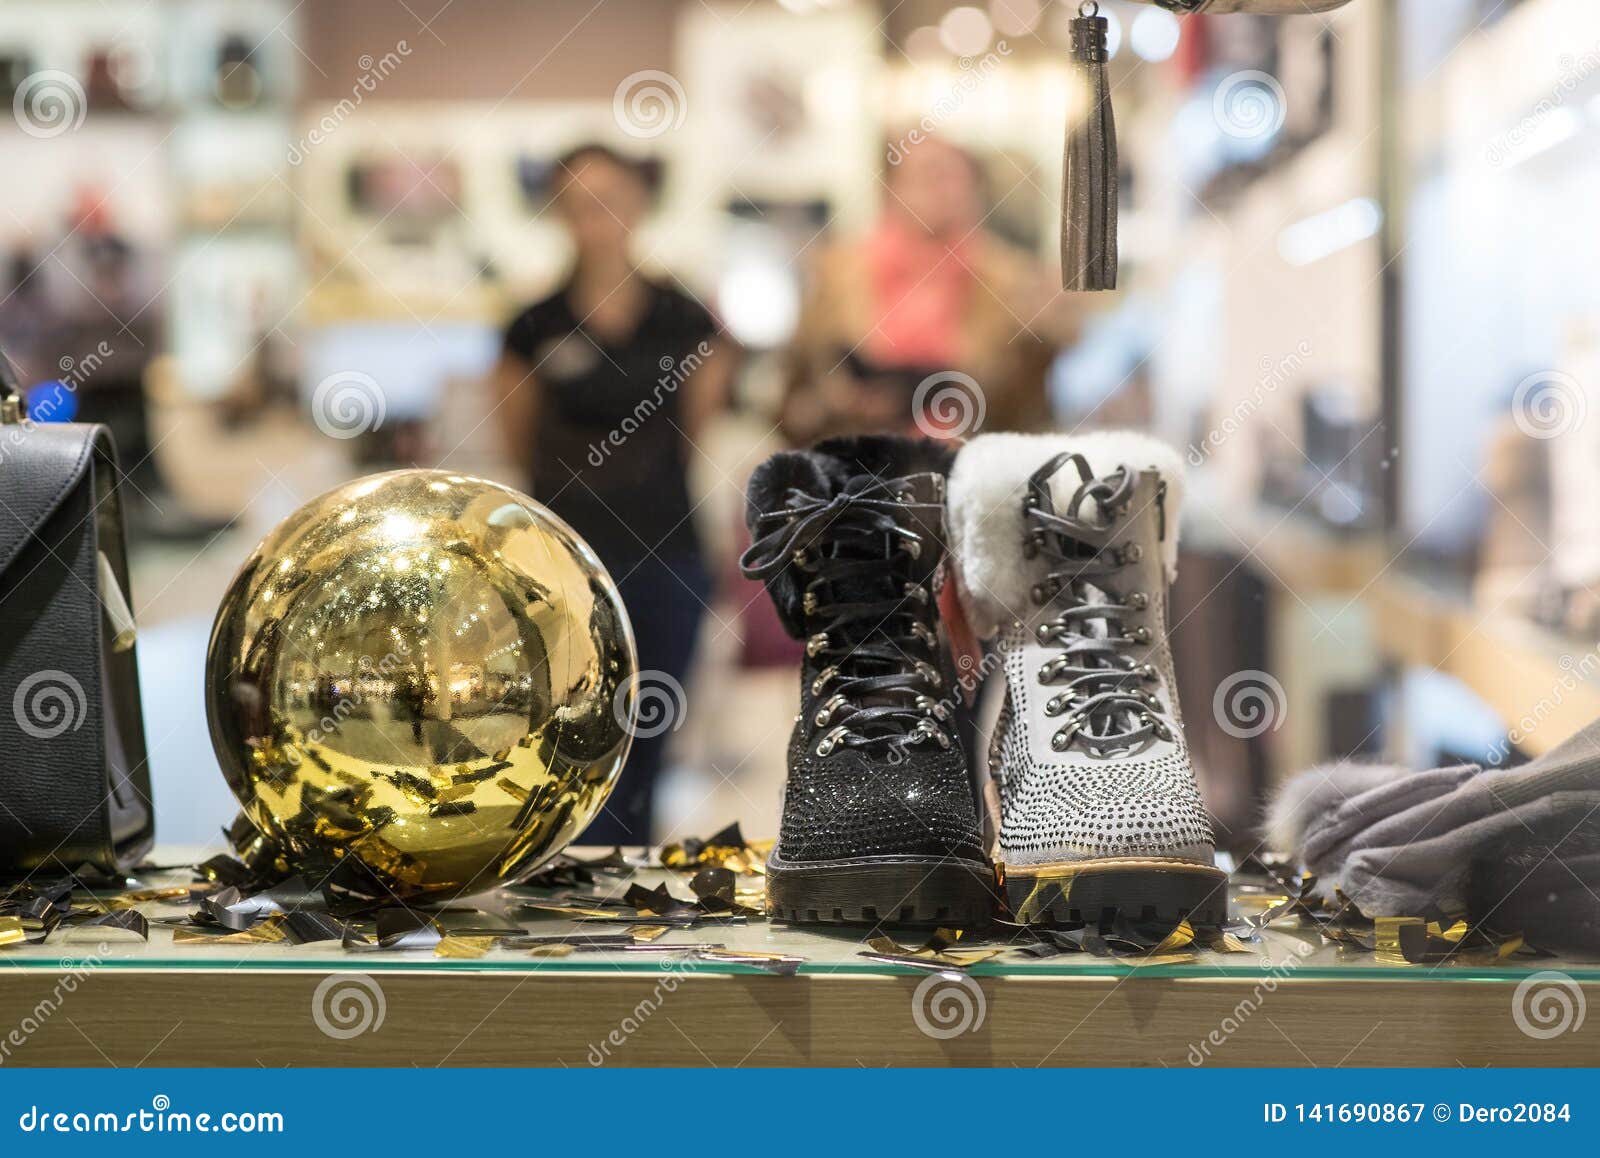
879	819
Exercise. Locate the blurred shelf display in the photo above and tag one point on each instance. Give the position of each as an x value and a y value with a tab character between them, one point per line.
169	126
1420	619
1537	681
338	301
1495	298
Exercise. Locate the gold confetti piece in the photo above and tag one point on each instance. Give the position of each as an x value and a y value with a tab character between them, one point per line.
1180	938
264	933
512	789
644	933
1160	959
11	931
569	910
1260	901
463	948
550	951
934	951
750	956
1355	938
1387	939
727	849
173	893
1220	941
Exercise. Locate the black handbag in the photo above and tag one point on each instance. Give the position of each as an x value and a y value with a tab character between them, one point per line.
74	779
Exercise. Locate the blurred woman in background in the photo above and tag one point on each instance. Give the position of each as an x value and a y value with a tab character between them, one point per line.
604	388
928	291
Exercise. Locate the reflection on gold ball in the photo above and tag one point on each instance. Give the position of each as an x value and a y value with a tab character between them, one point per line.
422	671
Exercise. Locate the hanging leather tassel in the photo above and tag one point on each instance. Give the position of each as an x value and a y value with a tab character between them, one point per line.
1089	195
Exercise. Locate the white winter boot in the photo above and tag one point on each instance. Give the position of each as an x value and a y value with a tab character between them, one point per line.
1065	545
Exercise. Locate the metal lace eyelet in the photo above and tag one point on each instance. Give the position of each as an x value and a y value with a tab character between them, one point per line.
817	644
915	591
802	558
925	633
933	707
824	715
930	674
1132	553
1148	672
1138	601
1061	741
1056	705
829	742
809	603
929	730
822	679
914	548
1139	635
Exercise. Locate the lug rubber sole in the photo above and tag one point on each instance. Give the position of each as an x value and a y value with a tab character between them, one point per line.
1096	891
912	891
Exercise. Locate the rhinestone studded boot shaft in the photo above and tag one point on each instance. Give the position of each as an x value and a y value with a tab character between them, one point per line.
1100	813
879	820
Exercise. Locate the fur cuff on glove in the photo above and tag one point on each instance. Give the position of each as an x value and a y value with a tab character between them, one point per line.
986	521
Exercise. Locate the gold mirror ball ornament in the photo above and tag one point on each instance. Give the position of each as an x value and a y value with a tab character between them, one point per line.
428	672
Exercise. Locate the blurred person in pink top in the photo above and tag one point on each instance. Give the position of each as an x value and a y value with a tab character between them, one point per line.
927	292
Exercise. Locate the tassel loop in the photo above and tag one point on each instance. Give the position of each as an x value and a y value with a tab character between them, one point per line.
1089	195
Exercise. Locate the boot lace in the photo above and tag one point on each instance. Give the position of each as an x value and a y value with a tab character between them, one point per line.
873	616
1102	703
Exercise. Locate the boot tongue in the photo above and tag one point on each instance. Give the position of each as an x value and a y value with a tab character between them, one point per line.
921	514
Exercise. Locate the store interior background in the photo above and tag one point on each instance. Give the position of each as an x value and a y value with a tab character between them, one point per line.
1374	324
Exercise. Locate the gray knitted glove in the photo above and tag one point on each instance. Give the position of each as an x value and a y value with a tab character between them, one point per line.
1518	849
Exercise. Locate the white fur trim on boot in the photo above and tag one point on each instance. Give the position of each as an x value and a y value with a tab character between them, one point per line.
987	528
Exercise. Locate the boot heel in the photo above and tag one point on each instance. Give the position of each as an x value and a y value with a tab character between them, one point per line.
1138	888
910	892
